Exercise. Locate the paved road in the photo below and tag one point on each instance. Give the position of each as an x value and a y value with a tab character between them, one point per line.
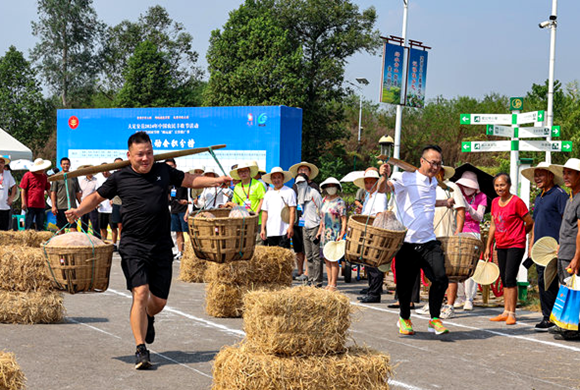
94	348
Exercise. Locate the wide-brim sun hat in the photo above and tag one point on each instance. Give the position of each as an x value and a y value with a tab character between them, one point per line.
469	179
268	177
248	164
331	180
260	170
484	179
6	159
572	163
370	174
528	173
40	165
334	250
448	172
198	168
209	170
313	169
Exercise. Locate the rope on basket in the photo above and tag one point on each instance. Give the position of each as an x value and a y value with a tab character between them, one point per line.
367	224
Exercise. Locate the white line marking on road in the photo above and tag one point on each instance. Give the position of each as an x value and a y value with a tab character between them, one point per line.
92	327
403	385
495	332
181	364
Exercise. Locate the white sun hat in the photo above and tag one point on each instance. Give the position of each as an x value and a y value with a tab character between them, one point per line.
331	180
572	163
210	170
268	177
313	169
248	164
334	250
528	173
40	165
370	174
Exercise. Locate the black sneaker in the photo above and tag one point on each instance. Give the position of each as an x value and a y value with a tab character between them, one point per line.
568	335
142	360
544	326
555	330
150	336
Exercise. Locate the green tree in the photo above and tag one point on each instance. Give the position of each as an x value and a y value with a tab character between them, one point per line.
120	42
253	62
68	31
148	80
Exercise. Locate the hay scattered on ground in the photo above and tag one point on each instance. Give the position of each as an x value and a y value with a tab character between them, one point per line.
30	238
226	300
191	268
11	376
241	368
23	269
44	307
299	321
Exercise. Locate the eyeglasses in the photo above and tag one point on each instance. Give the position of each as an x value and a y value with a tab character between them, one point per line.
434	164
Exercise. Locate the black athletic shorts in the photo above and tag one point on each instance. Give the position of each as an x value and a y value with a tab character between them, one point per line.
297	242
61	219
154	270
105	220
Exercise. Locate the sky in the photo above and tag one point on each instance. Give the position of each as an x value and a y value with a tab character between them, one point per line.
478	47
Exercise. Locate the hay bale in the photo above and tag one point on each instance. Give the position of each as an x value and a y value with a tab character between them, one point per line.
11	376
299	321
23	269
268	265
191	268
34	307
224	300
30	238
240	367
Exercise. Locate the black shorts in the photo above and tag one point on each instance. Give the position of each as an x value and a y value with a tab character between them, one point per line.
509	261
61	220
156	271
116	215
281	241
105	220
297	242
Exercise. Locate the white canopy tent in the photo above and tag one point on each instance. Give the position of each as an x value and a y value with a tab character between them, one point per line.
13	148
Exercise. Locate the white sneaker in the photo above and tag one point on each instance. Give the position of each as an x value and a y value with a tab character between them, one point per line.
458	303
424	309
468	306
447	312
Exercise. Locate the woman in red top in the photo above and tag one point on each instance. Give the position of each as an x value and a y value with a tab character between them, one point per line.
510	223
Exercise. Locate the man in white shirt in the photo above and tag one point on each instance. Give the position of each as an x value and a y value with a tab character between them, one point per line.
105	210
416	200
7	193
89	185
275	231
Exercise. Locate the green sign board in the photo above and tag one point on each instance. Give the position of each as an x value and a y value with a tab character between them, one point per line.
516	104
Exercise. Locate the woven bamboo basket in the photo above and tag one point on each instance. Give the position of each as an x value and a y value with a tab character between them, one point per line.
76	269
461	256
369	245
223	239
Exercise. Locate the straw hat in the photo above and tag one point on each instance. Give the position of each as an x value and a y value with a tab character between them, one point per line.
544	250
209	170
313	169
448	172
528	173
260	170
6	159
485	273
334	250
248	164
371	173
331	180
572	163
40	165
268	177
469	180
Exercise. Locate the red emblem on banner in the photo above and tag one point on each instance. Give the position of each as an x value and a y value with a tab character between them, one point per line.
73	122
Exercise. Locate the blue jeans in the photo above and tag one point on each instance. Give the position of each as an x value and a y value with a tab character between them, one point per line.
34	213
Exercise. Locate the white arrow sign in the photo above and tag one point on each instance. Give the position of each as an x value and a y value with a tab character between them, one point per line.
530	117
500	131
534	132
487	146
541	146
485	119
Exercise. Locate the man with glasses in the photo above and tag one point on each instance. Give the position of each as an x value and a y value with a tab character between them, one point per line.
415	195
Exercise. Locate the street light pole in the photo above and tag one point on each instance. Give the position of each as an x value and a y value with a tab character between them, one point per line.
362	81
399	113
550	114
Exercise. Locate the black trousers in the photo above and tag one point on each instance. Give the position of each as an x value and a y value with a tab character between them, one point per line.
547	296
410	260
93	216
375	282
416	295
4	219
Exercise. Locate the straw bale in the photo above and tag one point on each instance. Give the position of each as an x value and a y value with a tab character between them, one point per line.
298	321
224	300
240	367
30	238
268	265
191	268
23	269
44	307
11	376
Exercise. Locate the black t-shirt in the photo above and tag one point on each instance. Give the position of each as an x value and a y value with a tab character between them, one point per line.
180	194
145	215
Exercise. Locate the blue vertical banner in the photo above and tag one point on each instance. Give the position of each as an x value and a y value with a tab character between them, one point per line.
416	78
392	79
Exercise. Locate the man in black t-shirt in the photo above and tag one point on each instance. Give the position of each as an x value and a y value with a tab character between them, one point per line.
146	244
178	204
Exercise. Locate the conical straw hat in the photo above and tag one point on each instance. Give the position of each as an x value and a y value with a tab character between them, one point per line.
485	273
550	272
334	250
544	250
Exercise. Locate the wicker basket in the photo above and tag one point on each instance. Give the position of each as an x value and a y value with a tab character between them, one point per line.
77	269
461	255
369	245
223	239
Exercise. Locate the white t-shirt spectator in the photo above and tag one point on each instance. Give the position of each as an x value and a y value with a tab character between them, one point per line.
88	186
445	220
274	202
213	197
6	183
374	203
105	206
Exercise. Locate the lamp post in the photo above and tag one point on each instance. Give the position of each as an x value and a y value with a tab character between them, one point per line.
362	81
